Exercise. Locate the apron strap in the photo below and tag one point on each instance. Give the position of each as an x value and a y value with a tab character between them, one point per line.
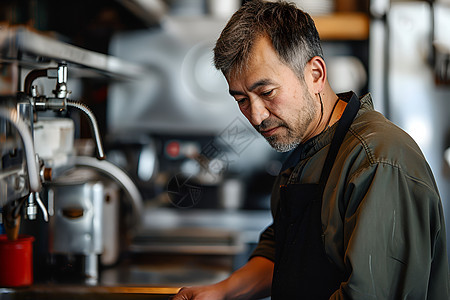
344	124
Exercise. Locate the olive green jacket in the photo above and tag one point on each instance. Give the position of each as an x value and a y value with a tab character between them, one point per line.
382	215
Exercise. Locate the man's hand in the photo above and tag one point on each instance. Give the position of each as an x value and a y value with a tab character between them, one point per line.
208	292
254	279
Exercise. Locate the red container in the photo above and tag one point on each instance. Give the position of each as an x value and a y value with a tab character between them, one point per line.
16	261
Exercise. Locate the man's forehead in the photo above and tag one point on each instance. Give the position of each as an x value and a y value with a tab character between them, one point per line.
242	62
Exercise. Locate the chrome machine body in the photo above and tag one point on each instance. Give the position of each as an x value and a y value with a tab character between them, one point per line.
39	161
47	188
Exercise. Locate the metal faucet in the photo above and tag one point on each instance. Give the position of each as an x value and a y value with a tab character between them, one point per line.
60	101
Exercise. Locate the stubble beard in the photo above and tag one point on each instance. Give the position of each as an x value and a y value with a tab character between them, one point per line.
295	132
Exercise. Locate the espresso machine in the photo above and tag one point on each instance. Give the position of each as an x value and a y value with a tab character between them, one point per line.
49	191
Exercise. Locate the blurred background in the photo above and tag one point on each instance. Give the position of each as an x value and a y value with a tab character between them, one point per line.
186	182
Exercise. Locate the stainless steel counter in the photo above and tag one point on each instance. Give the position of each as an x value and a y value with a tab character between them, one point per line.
174	248
138	277
174	270
249	224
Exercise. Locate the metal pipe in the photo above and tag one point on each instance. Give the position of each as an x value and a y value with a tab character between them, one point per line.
94	126
59	73
114	172
12	116
31	77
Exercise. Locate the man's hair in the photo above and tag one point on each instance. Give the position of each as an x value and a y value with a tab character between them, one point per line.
292	32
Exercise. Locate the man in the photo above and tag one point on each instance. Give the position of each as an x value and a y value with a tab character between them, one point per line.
357	214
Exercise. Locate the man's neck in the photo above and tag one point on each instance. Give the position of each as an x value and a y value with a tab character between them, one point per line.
337	112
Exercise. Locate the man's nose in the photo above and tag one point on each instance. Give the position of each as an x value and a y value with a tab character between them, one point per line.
258	112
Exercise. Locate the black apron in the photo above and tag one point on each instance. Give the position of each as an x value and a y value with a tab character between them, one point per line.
302	268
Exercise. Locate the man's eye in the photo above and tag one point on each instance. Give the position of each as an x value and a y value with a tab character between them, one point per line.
267	93
241	101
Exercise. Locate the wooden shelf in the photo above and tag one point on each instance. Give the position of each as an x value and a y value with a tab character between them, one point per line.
343	26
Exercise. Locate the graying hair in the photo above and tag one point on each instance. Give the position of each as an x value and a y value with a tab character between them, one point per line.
291	30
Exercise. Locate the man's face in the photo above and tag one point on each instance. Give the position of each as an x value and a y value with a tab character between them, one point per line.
275	101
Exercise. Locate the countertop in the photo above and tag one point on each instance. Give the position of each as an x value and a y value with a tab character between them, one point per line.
173	248
156	276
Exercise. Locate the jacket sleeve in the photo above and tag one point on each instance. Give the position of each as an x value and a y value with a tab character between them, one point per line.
266	245
394	237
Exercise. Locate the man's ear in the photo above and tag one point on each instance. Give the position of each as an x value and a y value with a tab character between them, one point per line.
317	71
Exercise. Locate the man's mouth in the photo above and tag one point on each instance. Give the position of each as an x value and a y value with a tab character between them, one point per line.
269	132
268	128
